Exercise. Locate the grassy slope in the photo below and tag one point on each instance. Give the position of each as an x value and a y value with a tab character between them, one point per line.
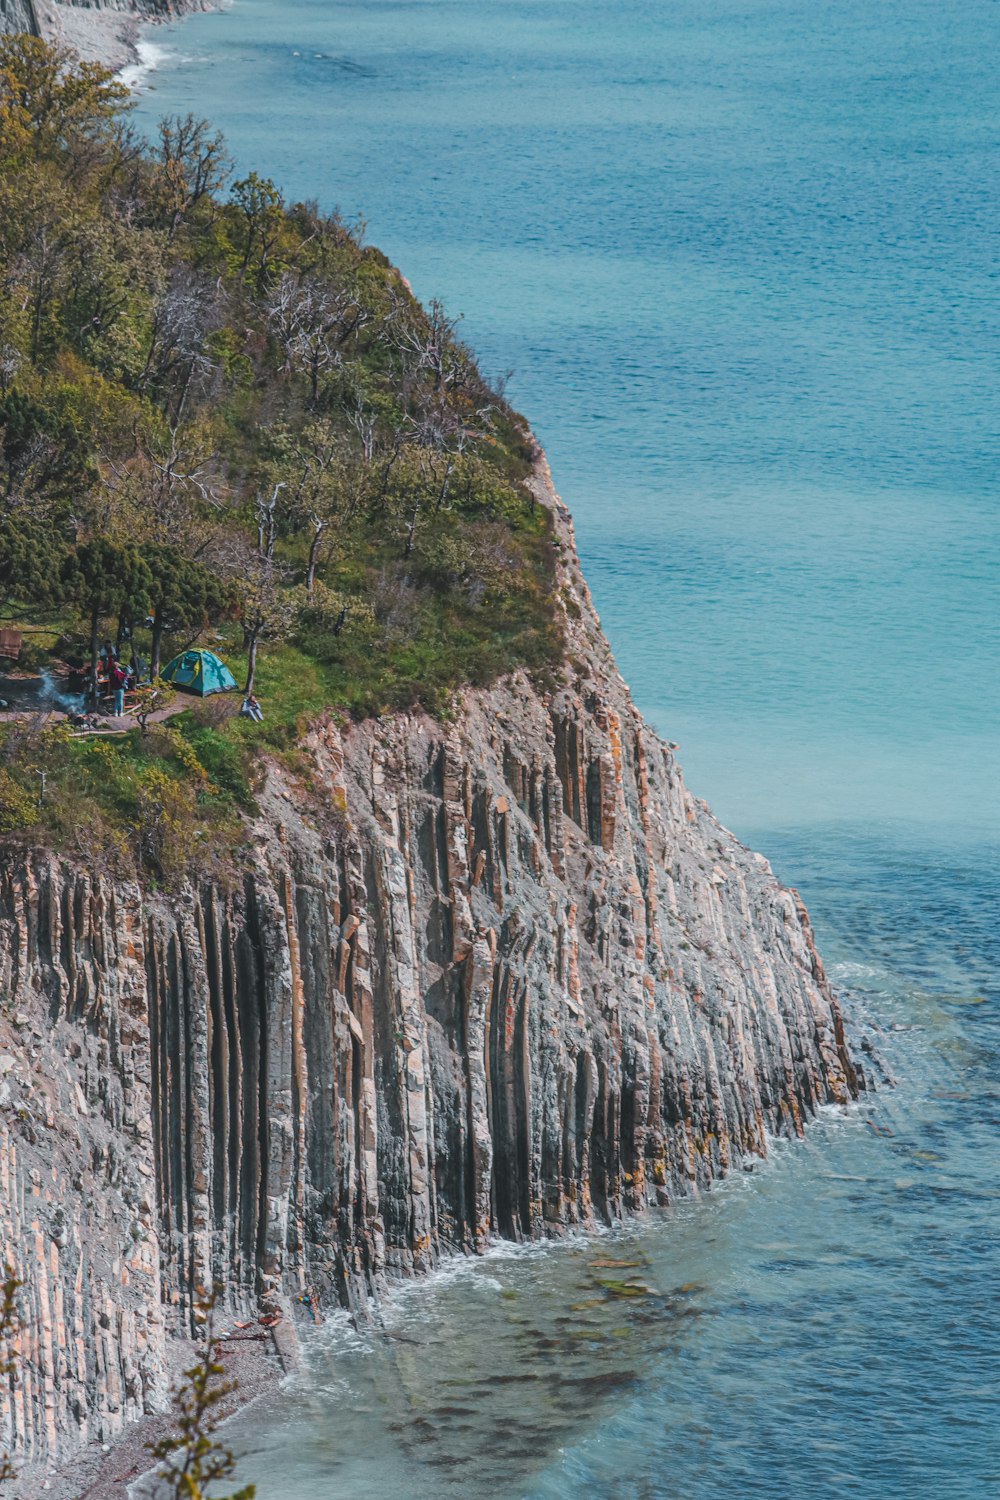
174	349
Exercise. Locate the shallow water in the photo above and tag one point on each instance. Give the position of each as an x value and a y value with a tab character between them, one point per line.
742	260
820	1326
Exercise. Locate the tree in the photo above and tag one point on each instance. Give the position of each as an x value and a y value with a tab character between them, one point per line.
31	556
43	460
260	219
322	483
8	1331
43	469
182	595
105	576
313	320
194	164
192	1458
109	274
182	318
266	610
151	698
50	101
428	346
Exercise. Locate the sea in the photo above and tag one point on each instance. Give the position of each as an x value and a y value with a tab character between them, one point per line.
741	262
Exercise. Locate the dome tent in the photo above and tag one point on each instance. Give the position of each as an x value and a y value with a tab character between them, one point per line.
199	672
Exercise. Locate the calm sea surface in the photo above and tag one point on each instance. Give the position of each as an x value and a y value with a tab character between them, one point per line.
743	261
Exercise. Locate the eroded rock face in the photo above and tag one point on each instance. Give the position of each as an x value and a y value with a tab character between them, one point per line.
18	15
498	977
47	17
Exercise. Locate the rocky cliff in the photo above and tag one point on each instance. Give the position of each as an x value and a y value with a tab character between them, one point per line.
18	15
45	16
497	976
99	30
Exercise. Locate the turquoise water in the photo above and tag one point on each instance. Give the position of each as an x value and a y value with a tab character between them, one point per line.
743	263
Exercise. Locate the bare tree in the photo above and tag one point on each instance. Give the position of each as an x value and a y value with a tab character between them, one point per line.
267	521
181	469
183	316
428	346
195	165
267	612
313	320
10	363
362	419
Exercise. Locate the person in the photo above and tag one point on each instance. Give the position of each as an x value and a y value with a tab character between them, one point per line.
118	679
251	709
108	658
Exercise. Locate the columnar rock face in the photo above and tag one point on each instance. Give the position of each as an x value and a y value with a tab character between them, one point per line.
42	17
495	977
66	20
18	15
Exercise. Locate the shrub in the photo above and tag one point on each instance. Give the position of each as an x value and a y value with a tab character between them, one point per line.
33	657
17	810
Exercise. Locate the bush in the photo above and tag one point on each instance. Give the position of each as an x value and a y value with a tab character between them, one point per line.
164	824
17	810
223	760
33	658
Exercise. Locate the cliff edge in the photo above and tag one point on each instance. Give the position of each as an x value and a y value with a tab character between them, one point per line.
496	976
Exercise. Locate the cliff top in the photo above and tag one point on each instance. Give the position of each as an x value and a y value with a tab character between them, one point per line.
225	420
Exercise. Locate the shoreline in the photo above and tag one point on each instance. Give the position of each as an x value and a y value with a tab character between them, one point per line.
116	38
108	1470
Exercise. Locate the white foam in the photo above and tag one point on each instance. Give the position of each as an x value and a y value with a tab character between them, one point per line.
148	58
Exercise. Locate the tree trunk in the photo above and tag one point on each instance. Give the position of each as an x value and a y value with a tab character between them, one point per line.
446	485
251	663
154	655
313	555
411	534
95	620
387	470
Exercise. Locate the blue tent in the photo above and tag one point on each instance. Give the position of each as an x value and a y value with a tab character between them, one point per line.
199	672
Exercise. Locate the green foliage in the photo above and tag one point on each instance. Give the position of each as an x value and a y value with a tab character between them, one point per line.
152	697
17	810
192	1459
137	804
42	466
222	760
229	412
52	103
103	575
182	594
